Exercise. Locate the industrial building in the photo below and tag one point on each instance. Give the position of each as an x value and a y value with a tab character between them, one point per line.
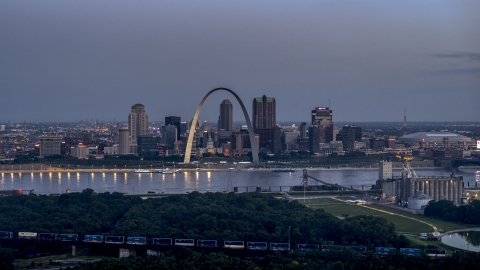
400	189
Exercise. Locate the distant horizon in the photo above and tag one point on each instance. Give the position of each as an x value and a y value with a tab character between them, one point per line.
236	122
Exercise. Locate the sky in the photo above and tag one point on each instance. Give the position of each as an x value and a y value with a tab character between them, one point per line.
367	60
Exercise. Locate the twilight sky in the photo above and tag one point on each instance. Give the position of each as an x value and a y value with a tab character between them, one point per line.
73	60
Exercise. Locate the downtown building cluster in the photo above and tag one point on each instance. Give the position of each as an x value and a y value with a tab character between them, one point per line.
139	136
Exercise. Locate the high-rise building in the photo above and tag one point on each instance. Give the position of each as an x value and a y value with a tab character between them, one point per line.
137	122
225	120
320	113
314	135
123	143
350	135
322	117
303	130
276	140
174	121
264	112
169	135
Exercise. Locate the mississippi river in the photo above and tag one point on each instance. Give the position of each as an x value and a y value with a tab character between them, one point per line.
203	181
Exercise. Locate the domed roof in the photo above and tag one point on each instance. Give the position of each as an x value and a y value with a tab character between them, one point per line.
433	136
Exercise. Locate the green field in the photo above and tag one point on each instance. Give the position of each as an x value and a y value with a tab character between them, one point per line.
403	223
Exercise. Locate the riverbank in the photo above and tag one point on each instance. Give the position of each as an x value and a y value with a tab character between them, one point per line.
17	170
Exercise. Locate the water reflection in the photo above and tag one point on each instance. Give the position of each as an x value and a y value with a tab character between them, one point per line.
469	240
193	180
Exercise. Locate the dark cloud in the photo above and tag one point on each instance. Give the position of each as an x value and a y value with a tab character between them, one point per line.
459	55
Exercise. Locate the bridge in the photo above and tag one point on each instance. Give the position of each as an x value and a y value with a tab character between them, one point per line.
305	182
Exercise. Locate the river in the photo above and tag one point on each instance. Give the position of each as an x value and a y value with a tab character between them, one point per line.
203	181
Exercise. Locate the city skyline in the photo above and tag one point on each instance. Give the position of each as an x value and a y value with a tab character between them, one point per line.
365	61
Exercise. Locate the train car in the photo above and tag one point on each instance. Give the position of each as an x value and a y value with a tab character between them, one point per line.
48	236
4	234
410	251
385	250
436	252
185	242
234	244
280	246
134	240
257	245
114	239
94	238
206	243
162	241
308	247
67	237
27	235
361	249
331	247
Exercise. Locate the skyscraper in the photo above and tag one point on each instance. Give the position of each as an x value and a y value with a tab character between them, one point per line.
137	122
174	121
350	135
320	113
264	112
225	120
123	145
322	117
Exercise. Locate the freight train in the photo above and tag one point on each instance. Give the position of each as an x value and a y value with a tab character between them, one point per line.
139	240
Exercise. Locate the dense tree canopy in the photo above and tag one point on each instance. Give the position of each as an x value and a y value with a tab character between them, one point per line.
252	217
444	209
81	213
331	260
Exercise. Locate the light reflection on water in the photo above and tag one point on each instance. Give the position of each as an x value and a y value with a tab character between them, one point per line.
469	240
203	181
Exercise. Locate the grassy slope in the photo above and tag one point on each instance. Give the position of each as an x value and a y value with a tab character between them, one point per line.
402	224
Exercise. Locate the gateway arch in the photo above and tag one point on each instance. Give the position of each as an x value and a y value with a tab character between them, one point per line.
251	135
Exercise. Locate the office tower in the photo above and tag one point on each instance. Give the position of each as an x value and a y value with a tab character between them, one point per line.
225	120
174	121
137	122
303	130
314	135
320	113
322	117
123	143
264	112
350	135
169	135
276	140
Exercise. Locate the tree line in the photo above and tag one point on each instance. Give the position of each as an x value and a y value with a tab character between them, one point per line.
447	210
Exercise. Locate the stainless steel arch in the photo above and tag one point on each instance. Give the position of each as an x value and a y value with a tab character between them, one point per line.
251	135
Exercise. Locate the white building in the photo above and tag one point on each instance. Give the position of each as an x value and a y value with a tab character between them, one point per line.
124	145
79	151
385	170
418	201
111	150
